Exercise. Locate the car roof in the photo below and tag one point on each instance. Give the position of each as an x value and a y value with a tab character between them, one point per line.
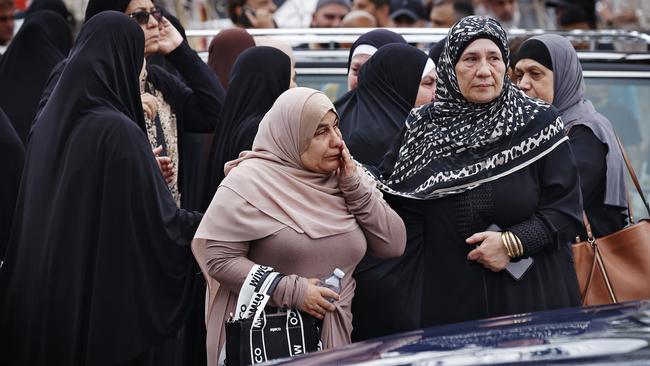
628	48
603	334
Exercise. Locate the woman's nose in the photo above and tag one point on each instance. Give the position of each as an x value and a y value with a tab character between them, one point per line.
337	138
483	69
524	83
152	22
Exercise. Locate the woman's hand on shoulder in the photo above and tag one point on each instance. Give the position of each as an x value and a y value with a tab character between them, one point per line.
315	302
490	251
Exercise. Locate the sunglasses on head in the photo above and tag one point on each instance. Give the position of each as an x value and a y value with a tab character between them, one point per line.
142	16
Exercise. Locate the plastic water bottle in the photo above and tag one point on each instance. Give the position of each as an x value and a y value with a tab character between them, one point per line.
333	282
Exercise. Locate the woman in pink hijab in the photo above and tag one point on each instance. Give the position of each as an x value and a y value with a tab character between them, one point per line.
298	203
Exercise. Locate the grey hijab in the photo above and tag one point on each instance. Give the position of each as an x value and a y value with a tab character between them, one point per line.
569	99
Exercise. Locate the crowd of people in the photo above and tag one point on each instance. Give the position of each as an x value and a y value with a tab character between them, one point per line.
546	14
126	241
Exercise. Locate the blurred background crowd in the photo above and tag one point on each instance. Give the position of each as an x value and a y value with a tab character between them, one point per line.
215	14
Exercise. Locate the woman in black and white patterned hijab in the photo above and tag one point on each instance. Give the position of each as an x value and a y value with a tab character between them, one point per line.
472	134
485	181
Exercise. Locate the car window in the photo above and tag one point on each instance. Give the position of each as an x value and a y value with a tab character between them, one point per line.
625	102
334	86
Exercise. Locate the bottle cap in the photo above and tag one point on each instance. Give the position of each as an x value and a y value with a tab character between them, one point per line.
338	273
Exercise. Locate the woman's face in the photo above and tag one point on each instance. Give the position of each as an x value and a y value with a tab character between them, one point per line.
355	64
150	28
427	89
480	71
534	79
323	154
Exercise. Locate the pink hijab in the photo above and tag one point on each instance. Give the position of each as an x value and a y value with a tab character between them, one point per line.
272	178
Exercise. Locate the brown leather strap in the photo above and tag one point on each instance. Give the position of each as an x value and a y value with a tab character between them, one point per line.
603	271
583	293
585	222
630	169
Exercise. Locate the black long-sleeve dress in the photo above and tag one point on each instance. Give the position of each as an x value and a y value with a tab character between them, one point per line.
14	153
434	283
196	101
590	154
98	270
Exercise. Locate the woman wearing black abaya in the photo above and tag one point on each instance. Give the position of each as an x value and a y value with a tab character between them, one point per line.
43	40
253	88
396	79
482	154
98	269
11	148
190	105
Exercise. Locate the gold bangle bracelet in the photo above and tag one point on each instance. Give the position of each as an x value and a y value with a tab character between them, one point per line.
520	245
504	240
517	243
513	242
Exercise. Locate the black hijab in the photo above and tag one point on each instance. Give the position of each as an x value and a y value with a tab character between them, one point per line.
373	113
95	7
375	38
57	6
43	40
436	50
253	88
11	148
453	145
98	269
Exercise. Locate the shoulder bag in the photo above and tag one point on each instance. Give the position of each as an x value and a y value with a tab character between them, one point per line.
615	268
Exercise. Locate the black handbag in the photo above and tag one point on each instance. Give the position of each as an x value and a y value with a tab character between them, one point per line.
263	333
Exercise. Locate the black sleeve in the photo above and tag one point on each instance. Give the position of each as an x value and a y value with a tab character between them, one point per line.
558	217
11	148
198	101
590	156
153	207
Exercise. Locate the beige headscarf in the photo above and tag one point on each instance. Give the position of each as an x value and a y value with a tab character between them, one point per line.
272	179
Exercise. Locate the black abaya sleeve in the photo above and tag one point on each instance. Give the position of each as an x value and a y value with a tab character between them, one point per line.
11	148
557	220
590	156
179	224
198	100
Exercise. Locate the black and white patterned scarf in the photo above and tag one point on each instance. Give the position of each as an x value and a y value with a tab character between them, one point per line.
453	145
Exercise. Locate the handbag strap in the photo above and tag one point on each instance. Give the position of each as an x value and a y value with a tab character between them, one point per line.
262	296
598	260
635	180
255	276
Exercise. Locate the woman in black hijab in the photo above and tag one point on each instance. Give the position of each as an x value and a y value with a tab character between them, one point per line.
98	268
42	42
253	88
190	105
364	47
482	158
11	148
373	114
